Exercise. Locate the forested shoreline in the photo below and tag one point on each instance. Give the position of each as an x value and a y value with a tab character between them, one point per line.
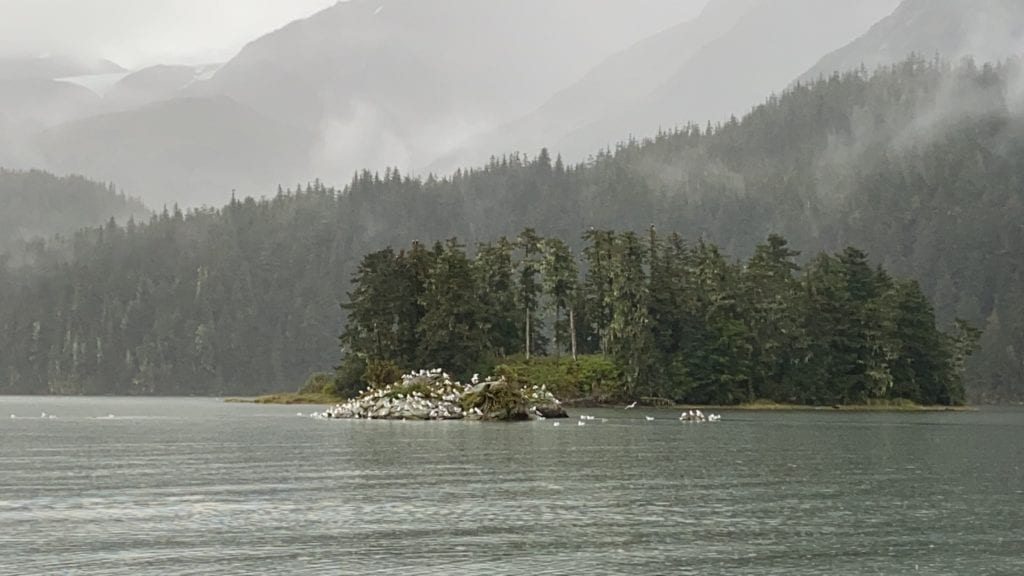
919	164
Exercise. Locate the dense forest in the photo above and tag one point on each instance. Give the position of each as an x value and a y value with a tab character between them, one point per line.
34	204
920	165
681	323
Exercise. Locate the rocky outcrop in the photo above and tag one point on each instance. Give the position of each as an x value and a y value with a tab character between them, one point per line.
433	395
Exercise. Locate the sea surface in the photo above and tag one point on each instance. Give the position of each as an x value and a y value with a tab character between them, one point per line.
113	486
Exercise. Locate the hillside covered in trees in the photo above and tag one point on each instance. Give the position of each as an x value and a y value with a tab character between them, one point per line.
680	322
36	204
920	165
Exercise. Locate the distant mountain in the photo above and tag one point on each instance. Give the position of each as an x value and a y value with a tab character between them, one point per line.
154	84
186	150
768	46
42	102
37	204
51	67
400	82
363	84
28	105
987	30
622	79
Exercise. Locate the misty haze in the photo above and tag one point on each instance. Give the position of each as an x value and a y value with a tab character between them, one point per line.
511	286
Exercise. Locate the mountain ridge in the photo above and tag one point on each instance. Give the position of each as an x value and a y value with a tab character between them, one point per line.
987	30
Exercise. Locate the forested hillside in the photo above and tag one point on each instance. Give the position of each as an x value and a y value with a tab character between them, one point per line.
920	164
36	204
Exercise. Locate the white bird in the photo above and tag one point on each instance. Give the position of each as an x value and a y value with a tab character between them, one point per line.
476	379
649	418
581	423
631	406
557	424
43	415
13	416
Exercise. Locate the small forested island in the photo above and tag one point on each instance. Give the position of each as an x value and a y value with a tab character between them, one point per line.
648	318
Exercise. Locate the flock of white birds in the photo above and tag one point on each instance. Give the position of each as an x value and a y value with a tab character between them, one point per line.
688	416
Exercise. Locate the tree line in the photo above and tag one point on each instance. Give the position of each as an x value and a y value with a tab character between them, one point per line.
681	322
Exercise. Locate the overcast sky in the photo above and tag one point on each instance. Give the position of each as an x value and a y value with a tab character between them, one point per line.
137	33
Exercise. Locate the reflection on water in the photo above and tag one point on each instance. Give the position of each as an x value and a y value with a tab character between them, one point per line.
195	486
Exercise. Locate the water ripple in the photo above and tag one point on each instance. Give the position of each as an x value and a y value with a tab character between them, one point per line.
198	487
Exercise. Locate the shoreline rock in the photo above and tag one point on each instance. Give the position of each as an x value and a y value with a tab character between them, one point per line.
433	395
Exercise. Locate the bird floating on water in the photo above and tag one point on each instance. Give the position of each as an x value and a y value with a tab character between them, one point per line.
698	416
649	418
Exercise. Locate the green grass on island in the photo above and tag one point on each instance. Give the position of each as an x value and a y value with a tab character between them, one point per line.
320	388
288	398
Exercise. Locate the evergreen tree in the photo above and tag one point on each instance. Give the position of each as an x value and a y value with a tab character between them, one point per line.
497	293
560	279
529	287
452	333
629	332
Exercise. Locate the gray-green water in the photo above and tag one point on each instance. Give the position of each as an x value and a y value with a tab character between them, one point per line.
185	486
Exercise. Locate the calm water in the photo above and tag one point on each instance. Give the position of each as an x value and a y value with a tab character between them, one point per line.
185	486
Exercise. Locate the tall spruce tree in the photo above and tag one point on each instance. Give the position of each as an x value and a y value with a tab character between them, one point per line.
560	280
